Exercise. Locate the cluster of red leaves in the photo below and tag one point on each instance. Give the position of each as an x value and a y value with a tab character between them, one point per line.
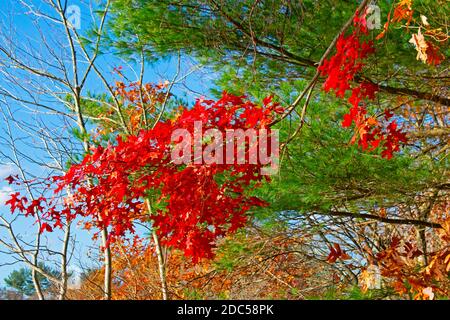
194	204
34	207
340	71
23	205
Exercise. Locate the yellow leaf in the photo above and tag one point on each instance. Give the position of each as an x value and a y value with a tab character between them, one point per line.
424	20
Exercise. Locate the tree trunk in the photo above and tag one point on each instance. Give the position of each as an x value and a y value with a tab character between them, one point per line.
161	262
162	267
64	275
107	263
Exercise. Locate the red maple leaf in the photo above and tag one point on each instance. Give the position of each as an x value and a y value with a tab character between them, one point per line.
336	253
434	56
45	227
11	179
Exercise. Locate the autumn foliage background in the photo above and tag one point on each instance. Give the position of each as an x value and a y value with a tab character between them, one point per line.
359	208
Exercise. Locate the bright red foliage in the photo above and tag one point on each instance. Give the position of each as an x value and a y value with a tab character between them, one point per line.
340	71
192	204
16	202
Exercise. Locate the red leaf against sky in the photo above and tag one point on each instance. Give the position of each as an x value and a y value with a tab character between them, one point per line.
10	179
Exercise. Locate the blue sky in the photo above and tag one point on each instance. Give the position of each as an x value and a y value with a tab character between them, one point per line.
193	85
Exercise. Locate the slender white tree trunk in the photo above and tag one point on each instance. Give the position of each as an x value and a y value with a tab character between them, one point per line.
162	267
160	256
